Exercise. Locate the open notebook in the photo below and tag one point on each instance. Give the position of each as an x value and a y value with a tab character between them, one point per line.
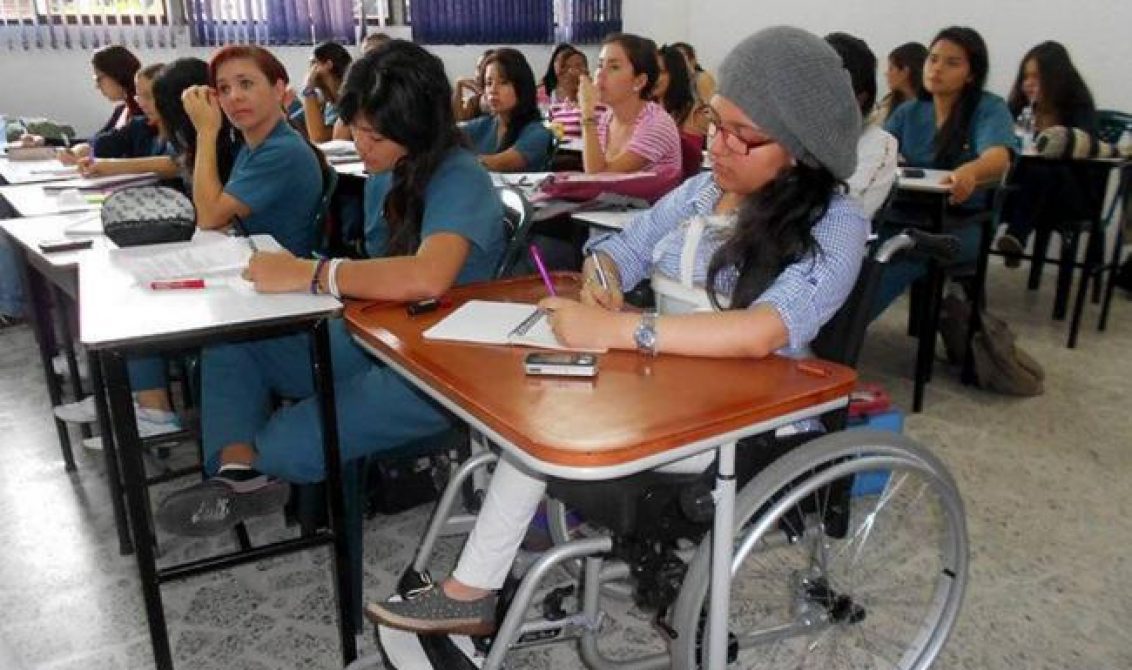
488	322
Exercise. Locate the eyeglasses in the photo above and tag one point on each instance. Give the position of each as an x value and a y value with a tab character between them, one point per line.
732	142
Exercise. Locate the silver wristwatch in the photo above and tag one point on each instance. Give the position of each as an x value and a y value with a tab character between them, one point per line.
645	334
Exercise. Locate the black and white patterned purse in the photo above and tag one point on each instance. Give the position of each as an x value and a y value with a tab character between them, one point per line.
148	215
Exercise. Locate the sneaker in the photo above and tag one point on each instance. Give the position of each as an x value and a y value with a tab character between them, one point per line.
151	423
218	504
1012	250
80	411
433	612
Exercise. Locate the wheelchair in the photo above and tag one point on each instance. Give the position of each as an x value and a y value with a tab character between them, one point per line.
850	547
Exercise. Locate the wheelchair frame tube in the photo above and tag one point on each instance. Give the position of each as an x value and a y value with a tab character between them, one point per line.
721	549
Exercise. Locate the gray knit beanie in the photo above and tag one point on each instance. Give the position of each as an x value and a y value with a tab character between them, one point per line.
794	86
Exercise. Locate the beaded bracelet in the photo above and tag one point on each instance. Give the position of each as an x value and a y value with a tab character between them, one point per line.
314	278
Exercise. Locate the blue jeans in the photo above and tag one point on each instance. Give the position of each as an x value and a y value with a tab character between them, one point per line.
11	279
377	409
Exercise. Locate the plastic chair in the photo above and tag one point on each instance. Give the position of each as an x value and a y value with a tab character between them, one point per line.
1080	217
518	219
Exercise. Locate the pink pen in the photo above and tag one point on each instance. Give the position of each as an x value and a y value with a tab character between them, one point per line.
537	258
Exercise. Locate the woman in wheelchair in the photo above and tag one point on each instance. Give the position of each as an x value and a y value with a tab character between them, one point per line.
769	230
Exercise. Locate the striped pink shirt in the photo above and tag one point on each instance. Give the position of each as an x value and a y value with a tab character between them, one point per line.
655	138
570	116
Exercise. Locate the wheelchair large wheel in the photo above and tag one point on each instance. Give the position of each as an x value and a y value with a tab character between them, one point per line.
885	595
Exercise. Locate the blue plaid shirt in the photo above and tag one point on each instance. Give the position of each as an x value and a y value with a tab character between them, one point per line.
805	295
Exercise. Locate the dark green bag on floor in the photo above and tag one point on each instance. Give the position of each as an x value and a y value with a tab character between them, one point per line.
1000	364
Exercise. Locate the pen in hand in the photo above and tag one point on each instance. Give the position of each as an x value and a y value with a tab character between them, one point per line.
600	270
537	258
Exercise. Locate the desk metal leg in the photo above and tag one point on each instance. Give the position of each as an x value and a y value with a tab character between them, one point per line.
133	471
722	549
110	453
66	338
978	301
43	325
324	385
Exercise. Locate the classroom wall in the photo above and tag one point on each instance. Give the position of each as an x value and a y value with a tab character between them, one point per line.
1095	32
58	83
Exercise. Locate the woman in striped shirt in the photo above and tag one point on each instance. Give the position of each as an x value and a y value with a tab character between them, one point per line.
634	134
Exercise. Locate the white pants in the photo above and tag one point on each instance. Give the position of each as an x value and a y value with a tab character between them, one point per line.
512	500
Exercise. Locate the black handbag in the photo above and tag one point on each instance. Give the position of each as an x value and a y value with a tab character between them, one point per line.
148	215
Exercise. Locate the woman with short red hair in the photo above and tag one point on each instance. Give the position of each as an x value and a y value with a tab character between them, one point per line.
276	182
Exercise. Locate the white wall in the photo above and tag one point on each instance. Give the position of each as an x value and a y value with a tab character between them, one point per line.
1095	32
57	83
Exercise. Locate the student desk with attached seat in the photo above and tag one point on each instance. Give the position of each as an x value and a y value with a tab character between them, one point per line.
933	193
640	411
51	278
118	319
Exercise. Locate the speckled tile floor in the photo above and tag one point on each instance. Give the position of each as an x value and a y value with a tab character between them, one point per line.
1043	480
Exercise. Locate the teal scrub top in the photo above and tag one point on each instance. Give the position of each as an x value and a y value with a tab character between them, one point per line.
281	181
913	126
459	199
533	143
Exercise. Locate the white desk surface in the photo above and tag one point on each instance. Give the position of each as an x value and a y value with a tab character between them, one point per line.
29	172
574	144
32	200
607	219
931	182
352	168
115	311
29	232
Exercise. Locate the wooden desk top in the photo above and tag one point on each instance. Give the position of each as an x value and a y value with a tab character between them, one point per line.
636	407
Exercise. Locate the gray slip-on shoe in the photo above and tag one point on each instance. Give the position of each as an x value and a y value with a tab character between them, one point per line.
434	613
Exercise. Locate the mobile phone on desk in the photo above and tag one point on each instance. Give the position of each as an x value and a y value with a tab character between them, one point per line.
560	364
912	173
53	246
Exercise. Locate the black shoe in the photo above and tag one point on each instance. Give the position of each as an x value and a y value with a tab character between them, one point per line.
218	504
1012	250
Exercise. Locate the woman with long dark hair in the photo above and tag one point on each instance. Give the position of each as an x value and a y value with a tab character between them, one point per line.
328	64
467	95
1051	87
904	76
634	134
958	127
1049	82
511	138
747	260
673	91
114	69
549	90
432	221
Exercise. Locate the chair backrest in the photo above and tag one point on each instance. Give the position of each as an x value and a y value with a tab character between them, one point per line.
518	217
1111	124
329	235
841	338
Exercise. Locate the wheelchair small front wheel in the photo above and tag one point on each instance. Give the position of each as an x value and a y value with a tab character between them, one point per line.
885	594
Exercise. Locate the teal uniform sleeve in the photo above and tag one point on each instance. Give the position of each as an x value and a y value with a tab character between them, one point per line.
264	178
992	125
533	144
460	199
481	134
